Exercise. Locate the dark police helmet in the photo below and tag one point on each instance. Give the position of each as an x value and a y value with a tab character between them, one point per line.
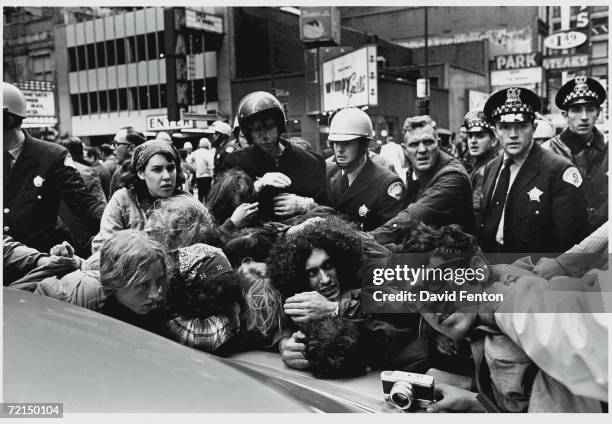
257	104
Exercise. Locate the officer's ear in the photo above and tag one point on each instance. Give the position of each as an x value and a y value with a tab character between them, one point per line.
534	124
141	175
564	113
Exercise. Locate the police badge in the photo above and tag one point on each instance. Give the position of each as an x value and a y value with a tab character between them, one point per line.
513	97
363	211
38	181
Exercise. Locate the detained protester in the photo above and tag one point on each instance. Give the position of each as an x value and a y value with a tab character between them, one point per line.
580	101
370	195
154	174
204	297
37	175
533	200
131	284
482	149
438	190
316	273
289	180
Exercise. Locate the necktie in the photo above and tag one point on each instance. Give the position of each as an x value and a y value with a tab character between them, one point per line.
6	168
345	182
498	201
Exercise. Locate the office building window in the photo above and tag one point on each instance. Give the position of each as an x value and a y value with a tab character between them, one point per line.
143	98
84	104
110	53
93	99
130	50
154	96
120	51
151	48
141	47
133	98
72	58
101	56
74	101
81	58
599	49
103	101
164	95
123	99
161	43
91	56
112	100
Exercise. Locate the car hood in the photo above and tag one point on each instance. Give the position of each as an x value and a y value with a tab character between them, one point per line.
58	352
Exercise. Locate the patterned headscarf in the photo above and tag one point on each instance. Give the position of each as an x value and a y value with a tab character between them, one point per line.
147	150
201	262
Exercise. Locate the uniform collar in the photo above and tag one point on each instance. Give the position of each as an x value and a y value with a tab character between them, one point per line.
575	143
16	150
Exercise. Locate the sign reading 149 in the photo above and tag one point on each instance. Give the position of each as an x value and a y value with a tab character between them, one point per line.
565	40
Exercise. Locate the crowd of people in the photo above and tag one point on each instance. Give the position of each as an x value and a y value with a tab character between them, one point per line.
276	249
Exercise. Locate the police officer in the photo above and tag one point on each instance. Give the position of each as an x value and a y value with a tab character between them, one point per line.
288	179
438	190
481	148
37	174
533	200
367	193
221	141
580	100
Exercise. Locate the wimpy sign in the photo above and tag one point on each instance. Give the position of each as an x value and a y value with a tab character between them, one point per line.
350	80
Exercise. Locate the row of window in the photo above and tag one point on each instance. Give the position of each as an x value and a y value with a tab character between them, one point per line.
117	52
139	98
120	51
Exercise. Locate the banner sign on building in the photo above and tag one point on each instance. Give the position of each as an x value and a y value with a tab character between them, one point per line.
350	80
203	21
161	123
320	25
566	61
513	77
517	61
40	103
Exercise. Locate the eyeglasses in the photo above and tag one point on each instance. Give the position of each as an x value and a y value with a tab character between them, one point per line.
115	144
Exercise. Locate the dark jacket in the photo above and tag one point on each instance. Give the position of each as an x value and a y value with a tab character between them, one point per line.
373	198
440	197
32	191
592	161
476	172
305	169
549	222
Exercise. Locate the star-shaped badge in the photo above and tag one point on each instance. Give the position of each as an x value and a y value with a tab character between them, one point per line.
363	210
534	194
38	181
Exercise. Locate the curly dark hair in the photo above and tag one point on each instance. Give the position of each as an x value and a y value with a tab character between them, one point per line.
207	297
335	236
447	242
251	242
337	348
230	189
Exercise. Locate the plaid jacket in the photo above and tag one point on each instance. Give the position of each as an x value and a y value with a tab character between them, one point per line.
206	334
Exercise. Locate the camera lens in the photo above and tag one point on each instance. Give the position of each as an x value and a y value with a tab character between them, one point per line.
401	395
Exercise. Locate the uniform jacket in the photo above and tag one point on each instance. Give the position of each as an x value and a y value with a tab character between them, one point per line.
373	198
592	161
544	210
442	196
476	172
82	235
32	191
305	169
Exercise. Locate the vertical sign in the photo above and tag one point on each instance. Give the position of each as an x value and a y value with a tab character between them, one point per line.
176	62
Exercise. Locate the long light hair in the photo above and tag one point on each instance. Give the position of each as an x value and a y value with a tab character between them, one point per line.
264	305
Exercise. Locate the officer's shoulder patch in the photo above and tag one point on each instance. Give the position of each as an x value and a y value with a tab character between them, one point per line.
572	176
396	190
69	162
